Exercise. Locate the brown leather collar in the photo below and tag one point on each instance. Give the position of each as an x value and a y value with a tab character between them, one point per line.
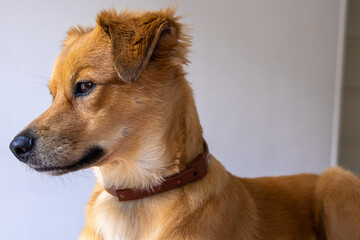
196	170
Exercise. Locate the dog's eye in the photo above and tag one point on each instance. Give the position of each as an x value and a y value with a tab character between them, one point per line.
83	88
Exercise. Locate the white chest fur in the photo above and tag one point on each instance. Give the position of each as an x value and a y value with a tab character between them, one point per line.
116	220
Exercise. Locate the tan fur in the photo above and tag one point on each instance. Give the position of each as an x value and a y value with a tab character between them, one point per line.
142	113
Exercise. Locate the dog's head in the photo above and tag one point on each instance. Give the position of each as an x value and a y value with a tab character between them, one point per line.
113	87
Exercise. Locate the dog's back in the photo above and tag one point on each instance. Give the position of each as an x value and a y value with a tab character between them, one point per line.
286	206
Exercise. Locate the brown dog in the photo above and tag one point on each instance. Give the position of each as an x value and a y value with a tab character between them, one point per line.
121	105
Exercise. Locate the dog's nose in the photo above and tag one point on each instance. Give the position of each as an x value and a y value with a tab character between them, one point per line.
21	146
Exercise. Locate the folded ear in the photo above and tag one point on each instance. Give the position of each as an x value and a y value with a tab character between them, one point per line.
133	40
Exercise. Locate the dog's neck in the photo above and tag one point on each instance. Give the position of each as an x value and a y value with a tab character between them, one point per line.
163	152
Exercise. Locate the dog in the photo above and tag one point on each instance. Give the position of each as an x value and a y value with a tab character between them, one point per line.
122	106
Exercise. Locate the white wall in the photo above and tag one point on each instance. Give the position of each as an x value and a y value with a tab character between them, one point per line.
263	73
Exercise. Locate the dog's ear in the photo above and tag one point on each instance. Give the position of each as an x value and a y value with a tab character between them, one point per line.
133	40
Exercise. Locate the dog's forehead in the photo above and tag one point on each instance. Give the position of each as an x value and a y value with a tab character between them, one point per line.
87	58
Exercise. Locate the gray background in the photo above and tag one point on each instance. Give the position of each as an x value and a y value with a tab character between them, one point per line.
266	77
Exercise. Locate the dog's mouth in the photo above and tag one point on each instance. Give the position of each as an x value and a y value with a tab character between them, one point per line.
92	156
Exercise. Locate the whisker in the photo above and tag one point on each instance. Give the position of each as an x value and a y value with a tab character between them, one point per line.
103	139
82	173
39	76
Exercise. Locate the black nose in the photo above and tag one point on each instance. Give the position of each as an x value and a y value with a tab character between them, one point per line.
21	146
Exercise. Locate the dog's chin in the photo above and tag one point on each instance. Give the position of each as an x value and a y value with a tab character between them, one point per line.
91	157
